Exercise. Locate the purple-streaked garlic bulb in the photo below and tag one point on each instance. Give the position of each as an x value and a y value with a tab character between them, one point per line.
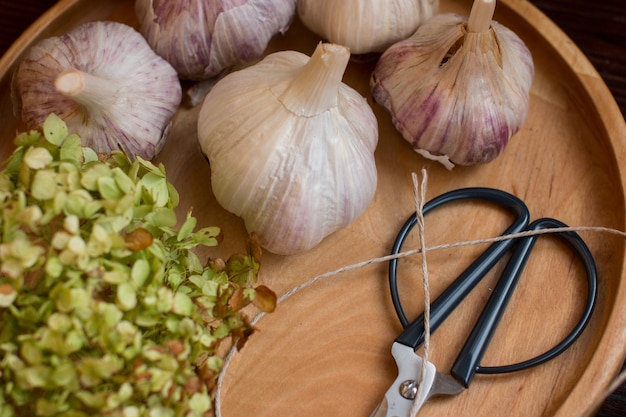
291	147
200	38
365	26
105	82
458	89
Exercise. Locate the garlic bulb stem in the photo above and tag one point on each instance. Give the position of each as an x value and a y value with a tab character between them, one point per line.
481	15
86	89
314	89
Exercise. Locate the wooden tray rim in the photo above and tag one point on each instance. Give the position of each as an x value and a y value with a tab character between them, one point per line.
595	90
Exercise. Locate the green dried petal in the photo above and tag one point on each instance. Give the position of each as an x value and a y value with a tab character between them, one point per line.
62	298
54	129
74	342
71	175
27	138
60	240
140	272
91	208
77	245
200	403
159	379
93	173
123	181
67	257
14	363
93	400
146	319
51	340
207	340
111	314
162	217
76	202
31	352
215	363
34	377
131	411
77	300
183	305
126	296
72	149
58	204
89	155
156	187
54	267
59	322
187	228
65	376
44	185
159	411
165	300
108	188
124	205
37	158
115	277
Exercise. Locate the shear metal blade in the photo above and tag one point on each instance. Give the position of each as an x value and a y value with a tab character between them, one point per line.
381	410
400	397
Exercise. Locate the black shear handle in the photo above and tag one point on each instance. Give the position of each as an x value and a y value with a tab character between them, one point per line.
467	363
414	331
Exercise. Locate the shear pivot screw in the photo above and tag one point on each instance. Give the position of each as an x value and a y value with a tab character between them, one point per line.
408	389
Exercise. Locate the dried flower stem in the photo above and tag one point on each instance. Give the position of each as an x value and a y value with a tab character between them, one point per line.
481	15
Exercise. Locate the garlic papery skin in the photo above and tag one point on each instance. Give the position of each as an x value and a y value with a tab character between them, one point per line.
365	26
291	147
106	83
456	96
200	38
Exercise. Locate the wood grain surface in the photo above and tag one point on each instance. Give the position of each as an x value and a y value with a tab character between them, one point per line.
570	177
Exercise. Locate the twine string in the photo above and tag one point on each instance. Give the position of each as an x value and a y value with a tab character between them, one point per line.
420	198
412	252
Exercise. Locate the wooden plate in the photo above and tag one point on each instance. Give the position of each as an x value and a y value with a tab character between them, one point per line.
326	350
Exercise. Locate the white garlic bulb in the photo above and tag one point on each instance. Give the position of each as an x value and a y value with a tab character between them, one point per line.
458	89
291	148
365	26
105	82
200	38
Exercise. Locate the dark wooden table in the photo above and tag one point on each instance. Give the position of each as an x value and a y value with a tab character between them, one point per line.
598	28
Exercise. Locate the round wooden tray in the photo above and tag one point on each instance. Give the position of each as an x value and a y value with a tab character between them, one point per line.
326	350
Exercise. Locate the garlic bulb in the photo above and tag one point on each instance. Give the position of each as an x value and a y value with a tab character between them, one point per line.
200	38
291	148
457	90
105	82
365	26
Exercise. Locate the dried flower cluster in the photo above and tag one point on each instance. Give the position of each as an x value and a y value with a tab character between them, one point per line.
104	307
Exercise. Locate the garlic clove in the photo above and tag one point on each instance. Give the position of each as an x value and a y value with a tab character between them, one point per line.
200	38
456	95
365	26
291	148
107	84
